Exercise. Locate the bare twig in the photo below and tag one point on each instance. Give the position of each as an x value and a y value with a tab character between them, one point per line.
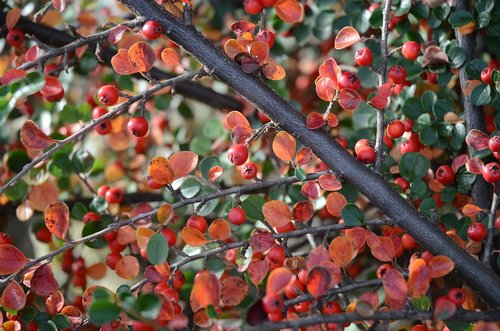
488	246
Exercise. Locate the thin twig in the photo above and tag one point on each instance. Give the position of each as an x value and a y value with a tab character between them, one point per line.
488	246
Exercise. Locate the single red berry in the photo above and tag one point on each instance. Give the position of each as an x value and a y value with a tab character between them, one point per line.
272	303
237	154
108	95
408	241
331	307
349	80
56	97
197	222
275	257
138	126
388	141
152	30
108	236
101	191
112	259
152	184
293	289
432	77
494	143
267	36
253	7
366	155
249	170
457	295
115	246
419	327
170	235
486	75
491	172
497	223
268	3
114	195
237	216
410	50
303	307
445	174
402	183
360	144
98	112
91	217
15	37
43	235
397	74
477	231
262	117
395	129
363	57
104	127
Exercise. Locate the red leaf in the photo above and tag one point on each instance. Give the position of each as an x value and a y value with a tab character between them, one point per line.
261	240
382	248
52	86
59	4
32	53
127	267
278	280
477	139
379	101
206	291
13	297
335	202
419	278
234	291
349	99
32	137
341	251
444	308
121	63
329	182
11	259
395	285
43	282
475	166
290	11
57	219
183	163
277	213
459	161
311	190
332	120
235	118
12	74
358	236
257	271
242	26
329	68
54	302
346	37
141	56
325	89
318	281
116	33
12	17
317	256
385	90
214	173
304	156
441	266
240	133
315	120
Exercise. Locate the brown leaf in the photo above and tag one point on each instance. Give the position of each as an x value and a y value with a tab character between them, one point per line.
419	278
335	202
32	137
141	56
434	55
234	291
161	171
318	281
57	219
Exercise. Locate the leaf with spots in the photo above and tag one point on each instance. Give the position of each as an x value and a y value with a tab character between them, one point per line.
161	171
234	290
57	219
141	56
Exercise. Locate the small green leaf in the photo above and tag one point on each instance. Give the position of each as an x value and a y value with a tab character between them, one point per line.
82	160
413	166
99	204
300	174
422	303
47	326
460	18
352	215
78	211
157	249
474	68
149	305
102	311
253	207
190	187
18	191
61	321
481	95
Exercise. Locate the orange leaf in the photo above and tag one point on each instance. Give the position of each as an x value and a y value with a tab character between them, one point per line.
284	146
32	137
54	302
273	70
335	202
43	282
277	213
318	281
121	63
257	271
183	163
141	56
97	270
349	99
304	156
329	182
11	259
395	285
260	49
13	297
382	248
471	210
127	267
193	237
219	229
143	235
358	236
165	213
170	57
161	171
346	37
419	278
57	219
329	68
12	17
206	291
233	47
234	119
341	251
317	256
278	280
441	266
214	173
290	11
325	89
234	291
126	235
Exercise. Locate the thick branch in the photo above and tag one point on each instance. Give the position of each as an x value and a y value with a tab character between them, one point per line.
57	38
373	186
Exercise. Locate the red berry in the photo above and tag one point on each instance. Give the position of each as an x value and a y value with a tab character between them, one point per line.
294	289
98	112
108	236
101	191
331	307
262	117
141	326
395	129
382	269
15	37
477	231
43	235
432	78
363	57
249	170
445	174
457	295
152	30
411	145
397	74
419	327
486	75
275	257
497	223
268	3
108	95
253	7
388	141
5	239
272	303
366	155
402	183
115	246
410	50
237	216
138	126
349	80
408	241
360	144
491	172
104	127
152	184
170	235
494	143
197	222
114	195
237	154
91	217
56	97
267	36
179	279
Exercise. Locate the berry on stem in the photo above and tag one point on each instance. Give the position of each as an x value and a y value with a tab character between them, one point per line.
152	30
363	57
410	50
397	74
237	154
138	126
108	95
15	37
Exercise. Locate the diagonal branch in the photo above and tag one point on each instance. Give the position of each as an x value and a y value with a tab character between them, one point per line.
372	185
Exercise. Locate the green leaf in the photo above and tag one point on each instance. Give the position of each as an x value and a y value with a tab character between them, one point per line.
474	68
82	161
352	215
69	114
20	89
364	117
448	194
300	174
213	129
428	136
485	6
457	56
157	249
61	321
404	8
78	211
457	136
18	191
93	227
99	204
149	305
441	107
162	101
42	317
413	166
47	326
211	312
200	145
126	83
412	108
253	207
457	325
483	19
208	163
190	187
460	18
428	99
17	160
481	95
28	313
422	303
102	311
